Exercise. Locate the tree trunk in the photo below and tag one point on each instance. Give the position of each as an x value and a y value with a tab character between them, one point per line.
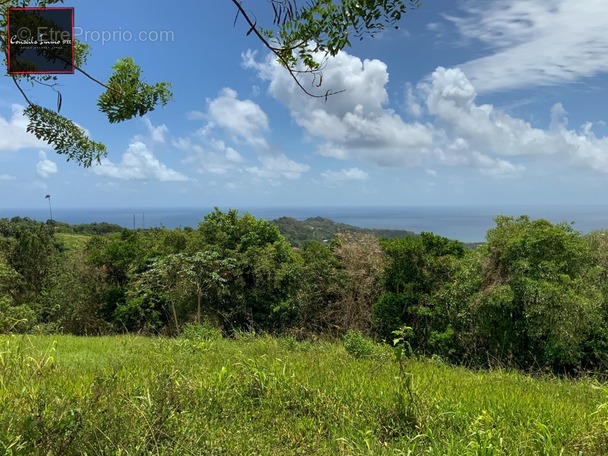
174	317
199	298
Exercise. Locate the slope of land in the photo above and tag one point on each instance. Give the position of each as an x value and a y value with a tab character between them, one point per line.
263	395
320	229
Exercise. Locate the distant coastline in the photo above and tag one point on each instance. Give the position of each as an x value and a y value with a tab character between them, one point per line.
464	223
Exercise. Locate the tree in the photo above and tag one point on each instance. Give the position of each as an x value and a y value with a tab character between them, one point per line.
207	272
418	266
538	299
29	258
363	262
264	277
321	283
296	36
160	285
115	257
73	296
14	317
32	252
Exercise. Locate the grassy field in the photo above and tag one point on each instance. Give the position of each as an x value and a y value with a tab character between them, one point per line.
73	242
63	395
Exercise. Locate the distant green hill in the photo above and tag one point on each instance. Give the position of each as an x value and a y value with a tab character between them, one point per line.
300	232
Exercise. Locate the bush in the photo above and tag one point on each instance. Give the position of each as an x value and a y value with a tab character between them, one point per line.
15	319
388	313
360	346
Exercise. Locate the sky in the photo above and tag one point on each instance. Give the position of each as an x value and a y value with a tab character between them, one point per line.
468	103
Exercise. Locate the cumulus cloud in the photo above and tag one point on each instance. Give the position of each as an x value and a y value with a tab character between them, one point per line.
458	130
244	120
534	42
45	167
357	125
13	134
481	135
471	129
138	163
246	124
354	124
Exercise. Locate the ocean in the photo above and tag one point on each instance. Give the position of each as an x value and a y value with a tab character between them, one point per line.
465	223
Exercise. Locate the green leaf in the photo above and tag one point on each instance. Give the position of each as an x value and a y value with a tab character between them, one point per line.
65	136
127	96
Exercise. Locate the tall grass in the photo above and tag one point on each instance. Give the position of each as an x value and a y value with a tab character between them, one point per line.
260	395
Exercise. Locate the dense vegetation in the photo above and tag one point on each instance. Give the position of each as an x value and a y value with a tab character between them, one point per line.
301	232
534	296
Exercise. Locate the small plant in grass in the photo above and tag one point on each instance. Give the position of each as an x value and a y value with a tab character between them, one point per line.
201	332
406	398
485	439
401	345
243	335
292	344
360	346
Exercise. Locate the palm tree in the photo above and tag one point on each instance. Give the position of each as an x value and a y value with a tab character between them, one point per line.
50	209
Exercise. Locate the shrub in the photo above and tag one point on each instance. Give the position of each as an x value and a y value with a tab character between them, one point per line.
15	319
360	346
388	313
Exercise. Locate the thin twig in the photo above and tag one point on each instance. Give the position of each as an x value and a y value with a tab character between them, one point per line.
21	90
276	51
94	80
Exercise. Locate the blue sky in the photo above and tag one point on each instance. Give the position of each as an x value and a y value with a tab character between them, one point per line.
476	103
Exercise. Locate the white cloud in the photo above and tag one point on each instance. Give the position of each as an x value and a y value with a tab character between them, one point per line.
450	98
138	163
13	134
157	133
535	42
244	120
357	125
344	175
246	124
413	106
486	137
279	165
354	124
215	158
495	167
45	167
7	177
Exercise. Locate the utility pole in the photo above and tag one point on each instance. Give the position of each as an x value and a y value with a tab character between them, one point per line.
50	208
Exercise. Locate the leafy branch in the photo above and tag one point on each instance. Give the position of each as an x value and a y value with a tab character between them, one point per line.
300	33
126	96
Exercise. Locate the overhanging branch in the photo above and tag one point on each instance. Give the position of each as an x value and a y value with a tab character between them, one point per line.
277	52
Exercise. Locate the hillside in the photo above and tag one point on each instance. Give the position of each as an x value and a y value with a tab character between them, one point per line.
276	396
300	232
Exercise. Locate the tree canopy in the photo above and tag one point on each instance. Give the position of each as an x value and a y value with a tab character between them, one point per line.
534	296
297	34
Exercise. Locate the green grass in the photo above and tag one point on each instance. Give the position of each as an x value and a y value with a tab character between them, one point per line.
73	242
66	395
